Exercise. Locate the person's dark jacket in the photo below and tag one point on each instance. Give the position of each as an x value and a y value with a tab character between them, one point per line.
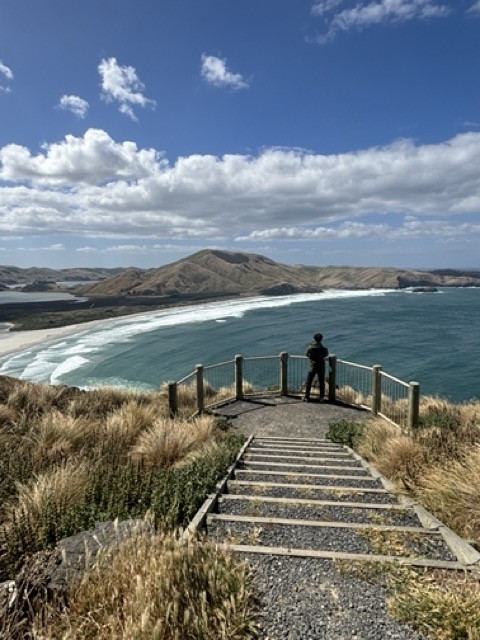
316	352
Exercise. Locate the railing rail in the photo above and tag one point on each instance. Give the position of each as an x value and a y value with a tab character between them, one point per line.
348	382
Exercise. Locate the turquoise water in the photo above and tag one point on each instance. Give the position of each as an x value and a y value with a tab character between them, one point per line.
431	338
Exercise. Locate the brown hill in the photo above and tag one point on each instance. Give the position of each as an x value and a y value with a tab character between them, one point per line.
228	273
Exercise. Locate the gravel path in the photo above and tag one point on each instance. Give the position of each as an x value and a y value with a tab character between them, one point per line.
305	598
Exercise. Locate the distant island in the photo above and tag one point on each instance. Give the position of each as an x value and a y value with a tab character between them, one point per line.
204	276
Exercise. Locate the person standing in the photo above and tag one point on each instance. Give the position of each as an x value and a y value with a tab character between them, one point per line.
316	353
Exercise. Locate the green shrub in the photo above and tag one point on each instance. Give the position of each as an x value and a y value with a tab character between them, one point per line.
345	432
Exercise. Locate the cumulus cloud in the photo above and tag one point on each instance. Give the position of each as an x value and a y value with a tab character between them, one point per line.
92	185
121	84
375	12
78	106
7	73
214	70
93	158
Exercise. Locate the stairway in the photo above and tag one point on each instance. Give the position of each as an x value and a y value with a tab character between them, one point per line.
312	498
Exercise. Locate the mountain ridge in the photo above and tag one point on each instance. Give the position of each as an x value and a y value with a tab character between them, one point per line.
221	272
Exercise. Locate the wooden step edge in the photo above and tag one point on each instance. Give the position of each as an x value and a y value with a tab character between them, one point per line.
342	555
329	452
294	522
320	487
286	439
307	466
349	462
296	474
314	503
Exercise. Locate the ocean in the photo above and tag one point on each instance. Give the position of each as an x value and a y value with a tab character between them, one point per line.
431	338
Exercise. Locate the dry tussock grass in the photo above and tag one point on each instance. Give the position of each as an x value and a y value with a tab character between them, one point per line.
157	588
452	491
169	441
443	605
51	492
123	427
58	437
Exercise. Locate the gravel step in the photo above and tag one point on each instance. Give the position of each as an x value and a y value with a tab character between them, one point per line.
311	510
309	478
313	459
310	451
303	468
320	492
427	545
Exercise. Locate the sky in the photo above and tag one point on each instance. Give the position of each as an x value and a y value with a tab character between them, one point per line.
321	132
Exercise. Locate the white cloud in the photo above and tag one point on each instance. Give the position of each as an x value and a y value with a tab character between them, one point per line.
375	12
94	186
93	158
122	85
7	73
321	7
78	106
215	72
410	228
475	8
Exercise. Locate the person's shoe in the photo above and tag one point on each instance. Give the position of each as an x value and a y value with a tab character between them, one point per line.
305	399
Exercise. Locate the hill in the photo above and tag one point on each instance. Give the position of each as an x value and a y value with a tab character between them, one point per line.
214	272
10	275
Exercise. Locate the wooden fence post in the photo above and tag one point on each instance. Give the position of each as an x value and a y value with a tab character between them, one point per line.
172	399
284	373
239	377
376	389
413	405
200	394
332	378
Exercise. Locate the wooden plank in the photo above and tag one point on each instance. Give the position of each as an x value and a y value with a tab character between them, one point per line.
340	555
305	466
225	517
300	447
314	503
320	487
305	475
268	456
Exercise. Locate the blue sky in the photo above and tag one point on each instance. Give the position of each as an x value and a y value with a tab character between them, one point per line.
323	132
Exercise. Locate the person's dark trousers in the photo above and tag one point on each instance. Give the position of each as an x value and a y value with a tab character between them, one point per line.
319	371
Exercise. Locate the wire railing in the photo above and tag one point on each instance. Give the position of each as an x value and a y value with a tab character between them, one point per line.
346	382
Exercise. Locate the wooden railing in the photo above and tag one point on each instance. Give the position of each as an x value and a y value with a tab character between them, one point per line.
346	382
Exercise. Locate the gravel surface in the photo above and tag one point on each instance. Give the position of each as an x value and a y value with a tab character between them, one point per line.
330	539
323	478
294	468
305	599
327	513
314	494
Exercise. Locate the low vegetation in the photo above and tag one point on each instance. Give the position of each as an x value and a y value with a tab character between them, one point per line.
70	458
162	590
439	464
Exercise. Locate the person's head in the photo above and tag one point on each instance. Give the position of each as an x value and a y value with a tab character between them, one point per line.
318	337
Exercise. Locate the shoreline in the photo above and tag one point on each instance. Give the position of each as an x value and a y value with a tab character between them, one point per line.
18	341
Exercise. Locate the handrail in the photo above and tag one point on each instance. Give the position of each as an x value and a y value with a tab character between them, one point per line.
347	382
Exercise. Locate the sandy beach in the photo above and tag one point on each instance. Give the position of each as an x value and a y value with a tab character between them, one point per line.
12	341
